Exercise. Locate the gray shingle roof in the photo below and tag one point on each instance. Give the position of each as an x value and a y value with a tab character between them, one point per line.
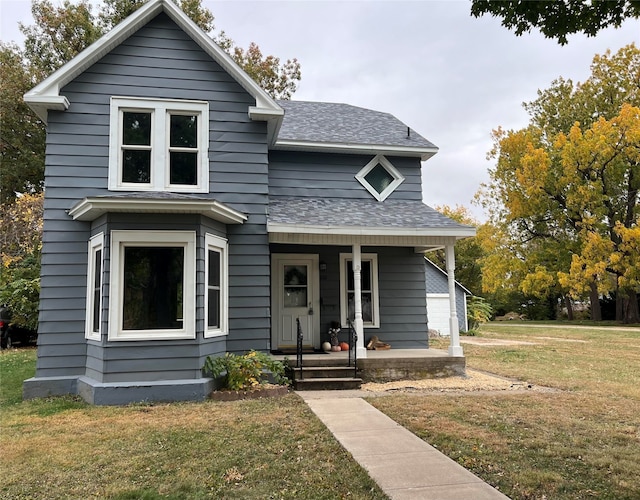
325	122
390	214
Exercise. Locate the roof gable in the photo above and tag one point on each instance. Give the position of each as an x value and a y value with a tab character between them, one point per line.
46	95
431	265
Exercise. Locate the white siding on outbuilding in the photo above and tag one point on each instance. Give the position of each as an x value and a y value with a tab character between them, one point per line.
438	301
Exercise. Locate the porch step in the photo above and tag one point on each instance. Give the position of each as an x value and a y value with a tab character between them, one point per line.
325	372
327	383
317	378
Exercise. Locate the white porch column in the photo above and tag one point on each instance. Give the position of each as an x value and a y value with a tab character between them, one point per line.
455	349
358	324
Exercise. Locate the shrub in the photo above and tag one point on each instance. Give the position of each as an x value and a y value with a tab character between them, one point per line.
245	372
478	311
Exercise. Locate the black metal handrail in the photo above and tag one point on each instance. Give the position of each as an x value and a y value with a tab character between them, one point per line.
299	347
353	351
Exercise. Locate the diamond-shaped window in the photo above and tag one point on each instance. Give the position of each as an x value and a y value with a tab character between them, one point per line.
380	177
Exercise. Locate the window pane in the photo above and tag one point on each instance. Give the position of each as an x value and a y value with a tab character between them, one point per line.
379	178
97	266
365	276
97	269
367	307
183	168
295	275
153	278
213	290
183	131
136	129
213	321
214	268
136	166
295	296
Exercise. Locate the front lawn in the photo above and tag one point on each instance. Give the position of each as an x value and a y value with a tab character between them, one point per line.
270	448
580	442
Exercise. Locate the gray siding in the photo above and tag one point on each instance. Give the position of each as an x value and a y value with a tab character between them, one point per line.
158	61
402	294
323	175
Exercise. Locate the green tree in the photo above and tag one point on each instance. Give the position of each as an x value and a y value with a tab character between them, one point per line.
21	132
20	244
566	194
279	80
58	34
559	18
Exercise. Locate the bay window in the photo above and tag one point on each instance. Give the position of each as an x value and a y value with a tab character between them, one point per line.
93	317
152	293
216	286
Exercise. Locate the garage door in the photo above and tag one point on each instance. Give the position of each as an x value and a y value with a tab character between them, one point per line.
438	312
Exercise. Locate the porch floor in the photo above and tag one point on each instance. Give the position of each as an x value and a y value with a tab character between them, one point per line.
389	365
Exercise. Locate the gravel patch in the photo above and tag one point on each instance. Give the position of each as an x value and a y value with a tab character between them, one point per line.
474	381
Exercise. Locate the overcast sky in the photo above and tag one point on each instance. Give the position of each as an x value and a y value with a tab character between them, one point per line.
451	77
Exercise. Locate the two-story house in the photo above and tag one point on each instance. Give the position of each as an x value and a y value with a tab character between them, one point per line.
188	214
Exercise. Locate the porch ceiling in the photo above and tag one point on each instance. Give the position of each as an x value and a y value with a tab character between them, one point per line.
368	222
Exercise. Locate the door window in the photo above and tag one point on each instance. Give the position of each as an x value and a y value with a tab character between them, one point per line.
295	286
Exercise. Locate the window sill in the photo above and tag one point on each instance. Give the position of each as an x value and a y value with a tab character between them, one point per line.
151	335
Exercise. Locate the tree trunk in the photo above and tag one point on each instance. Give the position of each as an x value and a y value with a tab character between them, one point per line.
596	313
630	312
569	305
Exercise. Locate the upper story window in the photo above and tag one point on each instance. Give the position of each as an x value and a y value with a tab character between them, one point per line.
158	145
380	177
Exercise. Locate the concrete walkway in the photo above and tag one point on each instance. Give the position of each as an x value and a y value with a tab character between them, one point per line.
402	464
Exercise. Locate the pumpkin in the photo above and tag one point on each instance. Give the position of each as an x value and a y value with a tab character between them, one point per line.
326	347
344	346
335	348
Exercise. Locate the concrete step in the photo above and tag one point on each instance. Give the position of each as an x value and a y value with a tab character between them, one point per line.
324	372
326	384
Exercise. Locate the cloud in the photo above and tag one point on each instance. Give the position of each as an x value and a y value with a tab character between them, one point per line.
451	77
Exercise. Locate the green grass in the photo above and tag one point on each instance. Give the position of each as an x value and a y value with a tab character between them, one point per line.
271	448
581	441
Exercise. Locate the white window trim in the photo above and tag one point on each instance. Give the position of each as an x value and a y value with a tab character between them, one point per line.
122	239
398	177
160	109
218	244
344	306
96	244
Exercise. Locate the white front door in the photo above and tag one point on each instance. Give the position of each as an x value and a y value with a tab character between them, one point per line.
295	294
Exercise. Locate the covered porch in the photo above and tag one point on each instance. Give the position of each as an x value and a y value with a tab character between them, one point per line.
362	232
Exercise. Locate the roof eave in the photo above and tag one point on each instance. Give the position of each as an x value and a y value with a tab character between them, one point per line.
456	232
335	147
89	209
273	117
46	95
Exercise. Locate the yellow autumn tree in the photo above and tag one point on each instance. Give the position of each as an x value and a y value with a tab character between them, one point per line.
20	245
564	190
602	165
